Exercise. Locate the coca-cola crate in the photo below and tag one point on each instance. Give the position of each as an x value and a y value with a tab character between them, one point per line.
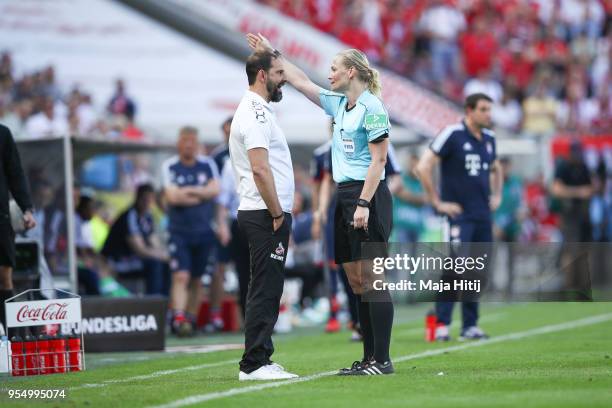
36	346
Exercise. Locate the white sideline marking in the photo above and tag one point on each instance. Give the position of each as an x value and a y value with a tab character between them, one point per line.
208	348
111	360
155	374
195	399
172	350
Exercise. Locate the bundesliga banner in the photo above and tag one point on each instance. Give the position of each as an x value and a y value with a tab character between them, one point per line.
129	324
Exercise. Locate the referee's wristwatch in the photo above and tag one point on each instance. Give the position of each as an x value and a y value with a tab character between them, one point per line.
363	203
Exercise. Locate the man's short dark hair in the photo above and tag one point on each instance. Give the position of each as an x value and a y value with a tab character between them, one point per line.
472	100
144	189
84	203
256	62
188	130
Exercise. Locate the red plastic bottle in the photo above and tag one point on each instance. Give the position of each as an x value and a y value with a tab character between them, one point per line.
58	354
430	326
17	357
75	358
44	355
31	355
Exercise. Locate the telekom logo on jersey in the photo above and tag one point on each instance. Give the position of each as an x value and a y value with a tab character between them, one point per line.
472	164
53	311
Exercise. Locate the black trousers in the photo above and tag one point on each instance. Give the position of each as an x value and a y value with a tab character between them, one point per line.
7	245
239	249
268	251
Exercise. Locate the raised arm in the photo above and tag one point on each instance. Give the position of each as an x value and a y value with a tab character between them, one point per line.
295	76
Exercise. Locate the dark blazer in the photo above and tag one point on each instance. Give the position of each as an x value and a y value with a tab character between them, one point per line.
12	177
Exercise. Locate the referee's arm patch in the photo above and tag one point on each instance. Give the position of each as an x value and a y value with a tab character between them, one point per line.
374	121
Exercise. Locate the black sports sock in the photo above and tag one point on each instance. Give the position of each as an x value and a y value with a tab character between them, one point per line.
353	308
366	328
381	314
352	298
4	294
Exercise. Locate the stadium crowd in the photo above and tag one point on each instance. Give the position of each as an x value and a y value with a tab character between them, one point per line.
546	63
34	106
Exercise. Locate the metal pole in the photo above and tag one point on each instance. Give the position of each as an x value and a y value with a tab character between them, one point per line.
69	182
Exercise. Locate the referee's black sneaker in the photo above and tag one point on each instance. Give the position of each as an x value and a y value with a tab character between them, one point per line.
373	368
357	365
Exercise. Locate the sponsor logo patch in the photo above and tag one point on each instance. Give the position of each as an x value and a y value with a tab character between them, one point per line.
374	121
278	252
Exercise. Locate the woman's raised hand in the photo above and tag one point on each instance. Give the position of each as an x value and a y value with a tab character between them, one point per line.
259	42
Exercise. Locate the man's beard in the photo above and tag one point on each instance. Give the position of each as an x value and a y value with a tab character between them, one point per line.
484	124
274	90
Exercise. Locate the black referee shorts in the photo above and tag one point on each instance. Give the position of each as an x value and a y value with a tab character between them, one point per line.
7	245
348	240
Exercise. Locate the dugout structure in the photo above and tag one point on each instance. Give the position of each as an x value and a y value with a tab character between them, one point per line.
52	163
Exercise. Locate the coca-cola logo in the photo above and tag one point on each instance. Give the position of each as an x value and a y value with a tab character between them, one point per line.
53	311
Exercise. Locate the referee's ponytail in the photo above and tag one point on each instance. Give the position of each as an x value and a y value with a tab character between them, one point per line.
358	60
374	85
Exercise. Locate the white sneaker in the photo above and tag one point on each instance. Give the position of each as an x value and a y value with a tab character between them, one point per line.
268	372
276	366
442	333
279	367
473	333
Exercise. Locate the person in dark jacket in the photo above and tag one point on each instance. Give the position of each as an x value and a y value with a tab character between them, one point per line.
13	180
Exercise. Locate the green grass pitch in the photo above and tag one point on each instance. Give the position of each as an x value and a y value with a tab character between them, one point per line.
539	355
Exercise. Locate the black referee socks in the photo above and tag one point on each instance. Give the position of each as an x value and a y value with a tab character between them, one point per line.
381	316
366	328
